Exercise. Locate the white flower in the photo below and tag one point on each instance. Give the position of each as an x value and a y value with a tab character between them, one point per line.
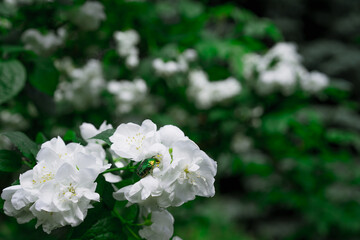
191	173
130	140
126	46
85	87
176	238
190	55
128	93
206	93
314	82
283	76
162	227
176	170
17	203
280	69
43	44
87	131
170	68
58	191
88	16
169	134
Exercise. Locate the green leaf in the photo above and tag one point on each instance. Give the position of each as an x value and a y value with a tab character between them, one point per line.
105	136
40	138
23	143
10	161
12	79
71	136
104	229
105	190
45	76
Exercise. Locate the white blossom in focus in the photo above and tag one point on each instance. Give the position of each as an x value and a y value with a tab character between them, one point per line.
87	131
206	93
130	140
128	93
58	191
162	227
181	171
191	173
88	16
43	44
126	46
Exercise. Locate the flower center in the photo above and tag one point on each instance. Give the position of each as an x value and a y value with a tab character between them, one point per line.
136	140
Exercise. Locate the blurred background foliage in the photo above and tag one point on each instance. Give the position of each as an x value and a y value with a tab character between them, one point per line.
288	165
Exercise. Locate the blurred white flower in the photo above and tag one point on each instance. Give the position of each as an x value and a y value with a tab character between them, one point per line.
280	69
170	68
206	93
314	82
126	46
58	191
43	44
162	227
88	16
84	89
12	121
127	93
176	238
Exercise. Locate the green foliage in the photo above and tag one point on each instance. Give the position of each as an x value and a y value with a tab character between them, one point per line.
288	165
12	79
45	76
10	161
104	136
23	143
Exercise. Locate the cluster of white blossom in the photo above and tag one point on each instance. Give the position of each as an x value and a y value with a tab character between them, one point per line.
87	131
14	121
15	3
127	93
85	86
43	44
170	68
88	16
206	93
59	190
173	171
126	46
281	69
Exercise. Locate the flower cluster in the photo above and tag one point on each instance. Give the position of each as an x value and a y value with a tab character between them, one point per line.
43	44
126	46
206	93
170	68
60	188
127	93
58	191
172	168
88	16
85	86
280	68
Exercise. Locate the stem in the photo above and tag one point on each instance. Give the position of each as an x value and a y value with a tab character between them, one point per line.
118	169
126	223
